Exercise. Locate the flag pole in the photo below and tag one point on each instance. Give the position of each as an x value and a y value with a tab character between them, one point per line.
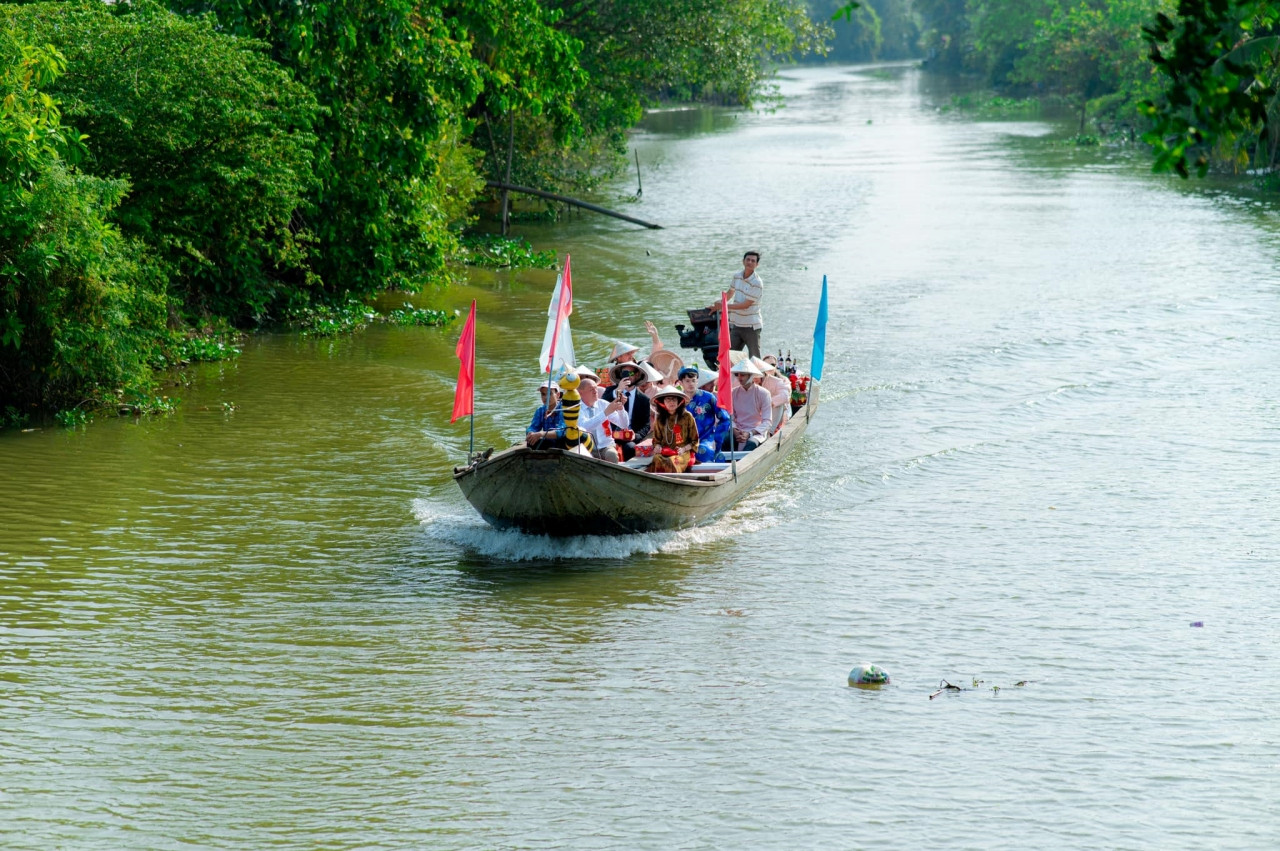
733	450
724	389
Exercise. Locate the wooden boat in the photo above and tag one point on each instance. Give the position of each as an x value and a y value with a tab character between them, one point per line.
558	493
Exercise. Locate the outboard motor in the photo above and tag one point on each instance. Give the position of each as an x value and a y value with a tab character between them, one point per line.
705	334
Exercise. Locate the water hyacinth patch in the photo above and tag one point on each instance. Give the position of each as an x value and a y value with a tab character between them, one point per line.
410	315
500	252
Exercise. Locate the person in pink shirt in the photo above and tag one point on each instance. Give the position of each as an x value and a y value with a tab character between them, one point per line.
752	410
779	392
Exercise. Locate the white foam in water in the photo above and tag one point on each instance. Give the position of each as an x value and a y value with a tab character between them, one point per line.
468	531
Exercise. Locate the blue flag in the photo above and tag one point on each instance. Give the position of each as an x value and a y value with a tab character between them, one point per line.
820	336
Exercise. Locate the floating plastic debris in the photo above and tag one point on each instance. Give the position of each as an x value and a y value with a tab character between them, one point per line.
867	675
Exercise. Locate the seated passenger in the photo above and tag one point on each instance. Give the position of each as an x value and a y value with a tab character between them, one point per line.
596	418
651	379
627	353
779	392
675	434
623	353
546	430
627	379
752	411
712	420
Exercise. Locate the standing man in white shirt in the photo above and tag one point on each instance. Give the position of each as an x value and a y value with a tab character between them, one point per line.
745	322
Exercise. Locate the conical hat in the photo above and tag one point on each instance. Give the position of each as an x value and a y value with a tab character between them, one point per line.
620	348
669	390
764	366
737	356
615	371
652	373
746	367
668	363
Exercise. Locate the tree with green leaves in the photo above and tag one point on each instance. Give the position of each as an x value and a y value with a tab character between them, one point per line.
857	29
1220	65
214	139
1085	51
81	309
636	53
947	38
397	79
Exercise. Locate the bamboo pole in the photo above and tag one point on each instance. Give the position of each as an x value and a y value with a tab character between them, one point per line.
565	199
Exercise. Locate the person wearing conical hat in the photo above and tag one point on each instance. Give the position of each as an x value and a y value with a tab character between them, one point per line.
627	353
779	392
628	380
752	410
653	379
623	353
711	419
675	433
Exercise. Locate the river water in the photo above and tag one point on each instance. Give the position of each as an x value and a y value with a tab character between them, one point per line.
1047	450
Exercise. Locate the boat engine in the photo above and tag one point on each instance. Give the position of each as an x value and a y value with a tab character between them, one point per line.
704	335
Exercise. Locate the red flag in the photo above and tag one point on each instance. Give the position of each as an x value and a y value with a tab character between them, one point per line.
464	396
563	309
724	384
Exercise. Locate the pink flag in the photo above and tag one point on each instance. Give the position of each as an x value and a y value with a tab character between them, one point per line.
464	396
724	384
563	309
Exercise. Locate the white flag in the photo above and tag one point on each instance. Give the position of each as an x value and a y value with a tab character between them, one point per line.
564	342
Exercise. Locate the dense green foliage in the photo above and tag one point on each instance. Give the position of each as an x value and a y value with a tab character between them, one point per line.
1220	60
1198	78
871	29
212	136
1090	54
633	54
82	308
395	79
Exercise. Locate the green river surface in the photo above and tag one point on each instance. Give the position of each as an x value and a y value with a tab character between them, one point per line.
1047	446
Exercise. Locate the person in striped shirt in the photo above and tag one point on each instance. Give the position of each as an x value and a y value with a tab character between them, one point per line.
745	321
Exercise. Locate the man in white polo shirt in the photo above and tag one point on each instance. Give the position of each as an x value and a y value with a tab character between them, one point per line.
745	322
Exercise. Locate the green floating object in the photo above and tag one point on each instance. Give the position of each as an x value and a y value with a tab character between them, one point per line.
867	674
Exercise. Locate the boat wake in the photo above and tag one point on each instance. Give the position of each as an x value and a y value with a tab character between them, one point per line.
470	534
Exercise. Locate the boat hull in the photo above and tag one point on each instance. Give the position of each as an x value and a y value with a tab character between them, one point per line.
562	494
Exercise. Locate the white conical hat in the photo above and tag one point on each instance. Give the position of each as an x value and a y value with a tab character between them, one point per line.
764	366
620	348
652	373
745	366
